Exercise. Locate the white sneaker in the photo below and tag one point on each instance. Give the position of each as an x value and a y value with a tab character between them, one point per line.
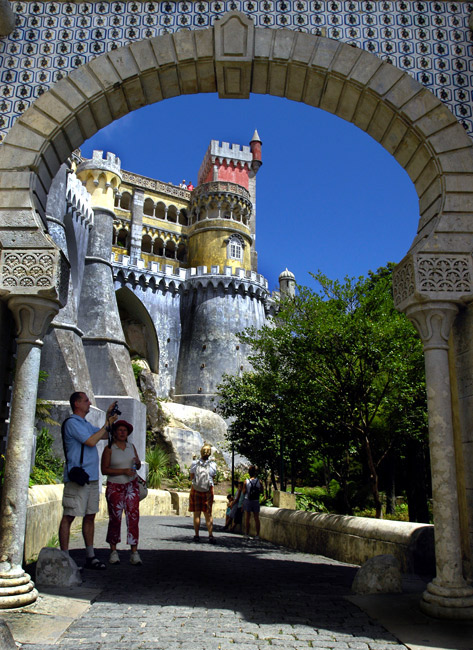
114	558
135	558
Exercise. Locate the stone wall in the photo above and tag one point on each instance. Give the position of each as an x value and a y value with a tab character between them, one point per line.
351	539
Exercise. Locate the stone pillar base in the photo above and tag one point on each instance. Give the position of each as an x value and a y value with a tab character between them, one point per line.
448	602
16	588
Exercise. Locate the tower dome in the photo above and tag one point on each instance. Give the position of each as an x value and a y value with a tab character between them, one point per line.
287	283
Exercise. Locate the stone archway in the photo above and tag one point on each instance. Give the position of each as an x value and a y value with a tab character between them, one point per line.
235	59
138	327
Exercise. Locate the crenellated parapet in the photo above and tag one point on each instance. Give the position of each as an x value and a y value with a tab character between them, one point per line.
218	155
165	277
78	200
110	163
101	177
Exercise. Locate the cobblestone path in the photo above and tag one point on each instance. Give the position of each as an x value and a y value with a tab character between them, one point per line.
234	595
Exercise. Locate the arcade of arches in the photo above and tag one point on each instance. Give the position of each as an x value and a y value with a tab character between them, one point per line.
433	284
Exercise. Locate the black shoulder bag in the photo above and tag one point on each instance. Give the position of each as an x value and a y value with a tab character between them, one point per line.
76	474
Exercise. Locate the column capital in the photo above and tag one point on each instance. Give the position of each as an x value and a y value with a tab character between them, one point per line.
32	315
433	322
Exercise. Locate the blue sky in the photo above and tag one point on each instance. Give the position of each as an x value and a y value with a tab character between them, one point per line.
329	197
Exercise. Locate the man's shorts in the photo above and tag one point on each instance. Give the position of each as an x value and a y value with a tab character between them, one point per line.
80	500
251	506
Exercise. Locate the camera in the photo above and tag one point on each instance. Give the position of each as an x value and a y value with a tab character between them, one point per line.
115	411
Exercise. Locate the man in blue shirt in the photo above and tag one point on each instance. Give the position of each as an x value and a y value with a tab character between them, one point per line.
82	500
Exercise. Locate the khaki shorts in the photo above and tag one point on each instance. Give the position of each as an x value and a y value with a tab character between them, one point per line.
80	500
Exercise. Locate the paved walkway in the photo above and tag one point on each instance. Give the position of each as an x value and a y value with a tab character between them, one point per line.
236	594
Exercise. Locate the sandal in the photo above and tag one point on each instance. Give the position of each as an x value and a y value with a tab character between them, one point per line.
94	563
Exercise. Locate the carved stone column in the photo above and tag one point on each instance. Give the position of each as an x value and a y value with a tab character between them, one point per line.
448	595
429	287
33	316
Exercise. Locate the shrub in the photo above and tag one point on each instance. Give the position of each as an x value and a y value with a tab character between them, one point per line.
178	478
47	466
158	461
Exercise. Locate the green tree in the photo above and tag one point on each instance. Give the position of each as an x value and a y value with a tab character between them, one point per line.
342	373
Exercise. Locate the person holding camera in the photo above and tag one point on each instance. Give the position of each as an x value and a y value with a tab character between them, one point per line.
119	462
81	474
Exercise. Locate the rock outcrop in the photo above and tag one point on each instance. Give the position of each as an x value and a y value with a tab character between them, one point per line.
182	430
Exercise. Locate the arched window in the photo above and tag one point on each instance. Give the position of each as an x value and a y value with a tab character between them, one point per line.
170	250
125	201
182	253
235	248
160	211
122	238
148	207
172	213
146	244
158	247
183	217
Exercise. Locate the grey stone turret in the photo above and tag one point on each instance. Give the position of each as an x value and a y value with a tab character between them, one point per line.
287	284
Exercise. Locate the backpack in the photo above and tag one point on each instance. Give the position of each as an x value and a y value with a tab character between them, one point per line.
253	492
201	481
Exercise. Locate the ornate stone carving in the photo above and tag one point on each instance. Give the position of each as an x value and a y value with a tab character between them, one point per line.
158	186
403	281
221	187
450	273
27	269
30	271
432	276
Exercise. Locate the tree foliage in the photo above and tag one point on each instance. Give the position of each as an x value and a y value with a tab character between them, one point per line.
339	373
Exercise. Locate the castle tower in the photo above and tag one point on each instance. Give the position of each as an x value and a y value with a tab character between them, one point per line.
222	230
225	295
103	340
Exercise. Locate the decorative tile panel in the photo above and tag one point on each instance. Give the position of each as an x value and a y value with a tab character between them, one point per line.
429	40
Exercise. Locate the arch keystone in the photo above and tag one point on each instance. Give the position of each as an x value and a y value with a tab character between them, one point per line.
234	48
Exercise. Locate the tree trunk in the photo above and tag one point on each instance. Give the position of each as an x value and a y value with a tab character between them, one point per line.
390	484
373	479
